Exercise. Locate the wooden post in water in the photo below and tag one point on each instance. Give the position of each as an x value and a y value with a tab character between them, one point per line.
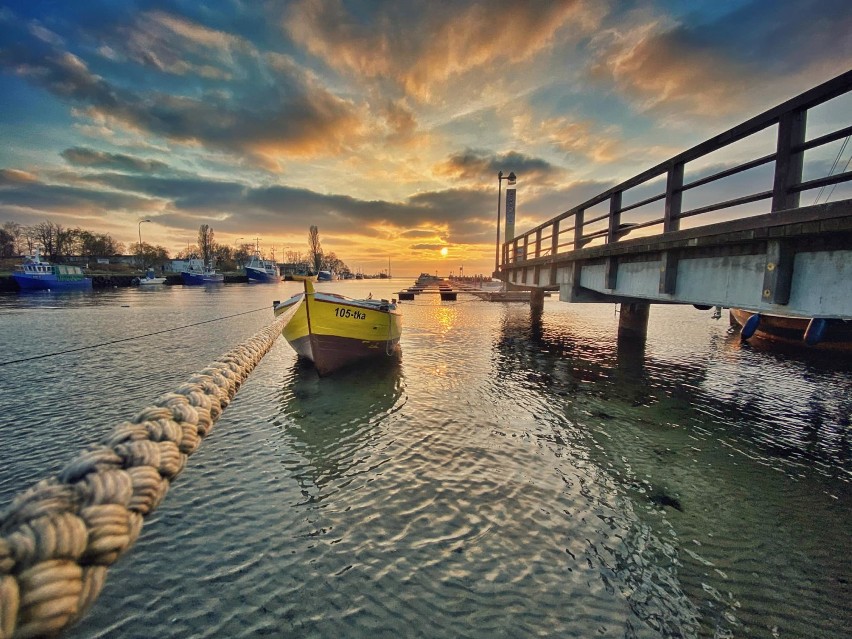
537	300
633	319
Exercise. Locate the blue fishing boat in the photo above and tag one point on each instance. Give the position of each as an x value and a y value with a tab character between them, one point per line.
326	276
261	270
36	275
206	275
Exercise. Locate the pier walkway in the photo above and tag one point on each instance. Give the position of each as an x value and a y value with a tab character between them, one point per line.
668	236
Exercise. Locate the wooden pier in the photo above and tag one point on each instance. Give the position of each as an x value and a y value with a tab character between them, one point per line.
640	243
449	289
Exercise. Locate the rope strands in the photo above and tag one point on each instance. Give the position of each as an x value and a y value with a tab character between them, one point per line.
58	538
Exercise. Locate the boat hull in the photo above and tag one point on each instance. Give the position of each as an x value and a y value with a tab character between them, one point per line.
198	279
51	283
259	275
791	330
334	332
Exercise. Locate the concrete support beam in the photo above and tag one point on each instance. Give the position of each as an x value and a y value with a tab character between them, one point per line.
633	320
778	276
611	273
668	273
537	300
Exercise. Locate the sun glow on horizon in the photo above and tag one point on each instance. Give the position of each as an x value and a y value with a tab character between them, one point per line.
444	251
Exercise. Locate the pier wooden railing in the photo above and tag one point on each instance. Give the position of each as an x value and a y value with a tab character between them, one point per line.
573	230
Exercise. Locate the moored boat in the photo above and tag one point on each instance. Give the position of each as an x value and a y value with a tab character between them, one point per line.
261	270
36	275
822	333
150	279
326	276
207	275
334	331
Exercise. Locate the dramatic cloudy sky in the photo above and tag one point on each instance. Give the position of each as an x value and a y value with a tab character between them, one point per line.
382	122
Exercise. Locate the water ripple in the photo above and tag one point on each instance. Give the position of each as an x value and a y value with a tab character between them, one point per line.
510	475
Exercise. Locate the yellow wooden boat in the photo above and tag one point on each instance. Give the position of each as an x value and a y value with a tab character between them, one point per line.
334	331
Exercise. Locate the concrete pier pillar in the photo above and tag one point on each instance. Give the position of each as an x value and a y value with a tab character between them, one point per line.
537	300
633	320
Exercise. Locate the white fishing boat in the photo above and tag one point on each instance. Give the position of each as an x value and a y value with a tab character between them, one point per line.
150	279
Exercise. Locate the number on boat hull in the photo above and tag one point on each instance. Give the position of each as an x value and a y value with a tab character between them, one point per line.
348	313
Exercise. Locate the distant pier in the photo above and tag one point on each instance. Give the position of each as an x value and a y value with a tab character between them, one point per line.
449	289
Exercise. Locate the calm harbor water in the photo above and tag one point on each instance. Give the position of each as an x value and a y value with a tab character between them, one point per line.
508	476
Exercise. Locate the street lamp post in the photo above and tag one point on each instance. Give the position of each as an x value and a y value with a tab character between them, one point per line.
511	179
141	252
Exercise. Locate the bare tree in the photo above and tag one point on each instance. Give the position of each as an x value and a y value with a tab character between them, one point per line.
67	241
98	244
293	257
45	234
151	255
331	262
30	239
243	254
15	234
223	256
206	245
7	244
315	248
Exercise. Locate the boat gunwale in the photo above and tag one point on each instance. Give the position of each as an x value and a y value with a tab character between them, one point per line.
370	305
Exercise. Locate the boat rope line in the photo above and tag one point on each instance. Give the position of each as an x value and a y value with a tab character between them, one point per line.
128	339
59	537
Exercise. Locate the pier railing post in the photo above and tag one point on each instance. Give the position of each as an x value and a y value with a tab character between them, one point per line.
671	222
578	229
554	248
788	160
611	268
674	198
614	217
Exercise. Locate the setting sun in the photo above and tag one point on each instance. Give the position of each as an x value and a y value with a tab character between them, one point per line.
444	252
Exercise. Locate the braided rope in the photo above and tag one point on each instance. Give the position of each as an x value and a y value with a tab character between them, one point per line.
58	538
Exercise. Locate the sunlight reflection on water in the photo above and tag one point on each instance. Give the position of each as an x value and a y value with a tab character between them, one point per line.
509	475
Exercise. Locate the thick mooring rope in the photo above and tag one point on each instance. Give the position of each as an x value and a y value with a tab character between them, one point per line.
58	538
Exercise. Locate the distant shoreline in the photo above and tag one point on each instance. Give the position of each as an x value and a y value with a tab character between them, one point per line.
8	284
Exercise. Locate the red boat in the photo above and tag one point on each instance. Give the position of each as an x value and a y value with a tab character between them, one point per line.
824	334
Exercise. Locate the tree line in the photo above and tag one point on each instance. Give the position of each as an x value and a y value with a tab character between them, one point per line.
223	256
226	257
54	241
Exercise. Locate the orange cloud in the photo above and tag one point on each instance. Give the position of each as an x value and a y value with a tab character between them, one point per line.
581	137
658	71
178	46
16	176
449	40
